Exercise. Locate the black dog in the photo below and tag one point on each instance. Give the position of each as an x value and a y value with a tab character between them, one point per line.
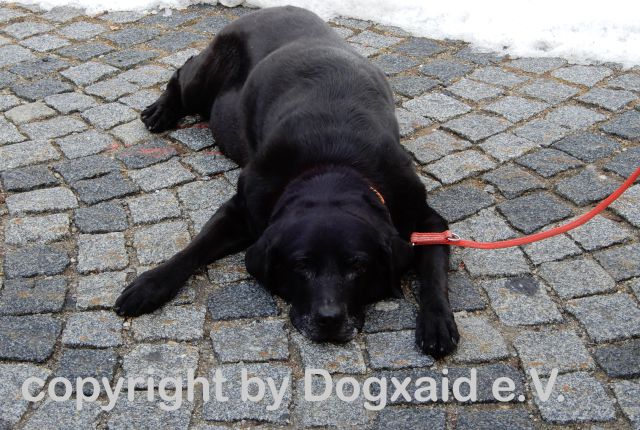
327	198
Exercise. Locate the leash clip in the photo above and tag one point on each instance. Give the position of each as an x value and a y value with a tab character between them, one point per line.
453	237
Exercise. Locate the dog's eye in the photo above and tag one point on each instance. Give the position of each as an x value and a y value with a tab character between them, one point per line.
302	266
357	266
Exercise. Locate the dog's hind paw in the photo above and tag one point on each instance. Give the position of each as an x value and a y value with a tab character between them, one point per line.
158	117
436	334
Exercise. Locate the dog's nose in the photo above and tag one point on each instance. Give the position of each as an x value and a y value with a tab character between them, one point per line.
330	315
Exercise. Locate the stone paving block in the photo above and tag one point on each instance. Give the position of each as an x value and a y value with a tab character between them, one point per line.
83	144
21	30
52	128
476	56
180	323
446	202
494	420
131	132
599	232
159	242
374	40
627	393
146	76
332	412
476	91
486	225
588	147
47	199
194	138
574	117
86	167
106	187
621	262
99	329
620	360
541	132
9	133
460	165
27	178
437	106
586	187
12	54
583	400
497	76
88	73
409	122
334	358
70	102
140	99
228	269
476	127
167	174
7	15
129	58
576	278
533	211
434	145
626	125
212	24
235	409
87	363
7	101
387	315
582	75
122	17
625	162
521	301
537	65
141	413
39	67
154	207
419	47
628	81
63	414
505	146
28	338
25	153
85	51
241	300
82	30
42	229
607	317
28	296
62	13
12	376
512	180
551	249
250	340
429	183
464	295
35	260
395	350
160	361
495	262
172	20
177	59
406	419
100	252
209	163
550	91
29	112
174	41
516	108
109	115
100	290
128	37
145	155
111	89
205	194
101	218
628	206
445	70
549	162
612	100
45	42
479	341
411	86
635	286
550	349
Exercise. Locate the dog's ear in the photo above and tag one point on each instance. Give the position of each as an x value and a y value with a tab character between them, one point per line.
259	259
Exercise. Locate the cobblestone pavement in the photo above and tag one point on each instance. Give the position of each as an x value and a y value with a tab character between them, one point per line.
505	146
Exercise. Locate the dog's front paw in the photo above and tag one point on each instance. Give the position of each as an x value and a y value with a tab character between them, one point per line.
158	117
436	333
145	294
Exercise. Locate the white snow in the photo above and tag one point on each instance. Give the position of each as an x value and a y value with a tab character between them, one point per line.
581	31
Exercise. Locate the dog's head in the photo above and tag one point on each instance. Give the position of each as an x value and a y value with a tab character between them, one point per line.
328	261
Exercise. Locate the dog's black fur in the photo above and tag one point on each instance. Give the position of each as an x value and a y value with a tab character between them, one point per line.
313	124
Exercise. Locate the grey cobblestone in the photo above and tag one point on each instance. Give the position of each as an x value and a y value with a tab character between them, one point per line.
48	199
455	167
607	318
479	341
551	249
476	127
250	340
583	75
35	260
576	278
437	106
537	65
516	108
100	290
28	296
27	178
12	376
106	187
157	243
333	358
476	91
627	393
621	262
170	323
87	363
550	91
620	360
505	146
42	229
512	180
25	153
586	187
445	70
446	201
162	175
141	412
28	338
100	252
160	361
532	211
390	315
395	350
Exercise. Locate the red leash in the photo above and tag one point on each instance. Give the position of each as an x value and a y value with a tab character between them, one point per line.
450	238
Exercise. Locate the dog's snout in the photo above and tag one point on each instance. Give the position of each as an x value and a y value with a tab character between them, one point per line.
330	315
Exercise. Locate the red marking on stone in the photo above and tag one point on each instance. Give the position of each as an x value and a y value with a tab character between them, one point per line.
155	152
